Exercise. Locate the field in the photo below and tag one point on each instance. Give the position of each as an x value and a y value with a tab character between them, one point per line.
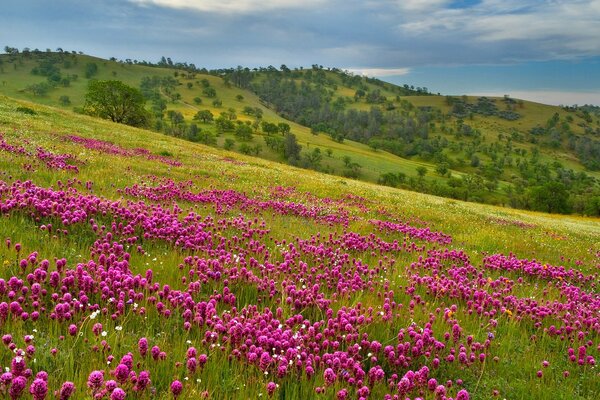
137	265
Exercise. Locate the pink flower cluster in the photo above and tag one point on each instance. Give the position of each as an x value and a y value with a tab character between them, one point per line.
51	160
111	148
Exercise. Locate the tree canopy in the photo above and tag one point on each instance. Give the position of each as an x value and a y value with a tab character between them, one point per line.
116	101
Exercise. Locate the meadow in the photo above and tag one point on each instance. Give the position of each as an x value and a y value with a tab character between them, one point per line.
141	266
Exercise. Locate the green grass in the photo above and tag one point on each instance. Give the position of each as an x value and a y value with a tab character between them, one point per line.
559	240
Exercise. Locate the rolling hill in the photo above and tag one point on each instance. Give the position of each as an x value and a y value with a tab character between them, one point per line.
501	151
142	265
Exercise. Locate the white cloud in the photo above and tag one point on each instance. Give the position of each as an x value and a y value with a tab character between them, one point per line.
229	6
378	72
421	5
557	28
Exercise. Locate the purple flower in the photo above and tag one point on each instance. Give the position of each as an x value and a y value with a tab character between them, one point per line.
176	388
143	380
111	385
271	386
118	394
143	346
462	395
17	387
95	380
39	389
66	391
121	373
329	376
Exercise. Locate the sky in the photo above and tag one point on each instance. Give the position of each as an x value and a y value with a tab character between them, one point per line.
546	51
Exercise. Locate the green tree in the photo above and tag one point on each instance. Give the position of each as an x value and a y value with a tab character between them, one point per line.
243	132
64	100
229	143
116	101
283	128
209	92
269	127
91	69
204	116
442	168
421	171
552	197
291	148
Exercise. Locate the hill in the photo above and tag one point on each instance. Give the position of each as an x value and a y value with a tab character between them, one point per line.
500	151
141	263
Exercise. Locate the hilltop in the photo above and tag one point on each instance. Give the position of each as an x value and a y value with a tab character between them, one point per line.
494	150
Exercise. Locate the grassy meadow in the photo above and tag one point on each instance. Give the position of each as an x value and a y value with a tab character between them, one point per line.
254	279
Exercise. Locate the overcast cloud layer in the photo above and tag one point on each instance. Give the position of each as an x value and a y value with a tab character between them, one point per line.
381	38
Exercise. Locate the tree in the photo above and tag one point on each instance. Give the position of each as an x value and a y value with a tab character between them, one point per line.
204	116
116	101
229	143
442	168
224	124
552	197
64	100
243	132
283	128
421	171
209	92
269	127
91	69
291	148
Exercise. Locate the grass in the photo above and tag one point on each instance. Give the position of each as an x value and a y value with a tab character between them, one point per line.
476	229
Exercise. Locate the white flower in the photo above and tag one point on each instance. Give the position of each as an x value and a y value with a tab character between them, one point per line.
118	328
188	341
94	314
104	333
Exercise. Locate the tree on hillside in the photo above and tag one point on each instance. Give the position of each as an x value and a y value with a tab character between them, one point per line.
116	101
91	69
291	148
204	116
552	197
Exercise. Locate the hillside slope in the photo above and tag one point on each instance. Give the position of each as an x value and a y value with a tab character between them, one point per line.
499	151
154	265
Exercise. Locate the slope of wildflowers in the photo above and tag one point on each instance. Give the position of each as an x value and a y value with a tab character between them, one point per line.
137	266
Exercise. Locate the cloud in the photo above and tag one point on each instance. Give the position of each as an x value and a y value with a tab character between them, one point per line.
229	6
378	72
550	29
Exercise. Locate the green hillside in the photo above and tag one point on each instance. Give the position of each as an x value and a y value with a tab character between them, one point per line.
139	264
501	151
